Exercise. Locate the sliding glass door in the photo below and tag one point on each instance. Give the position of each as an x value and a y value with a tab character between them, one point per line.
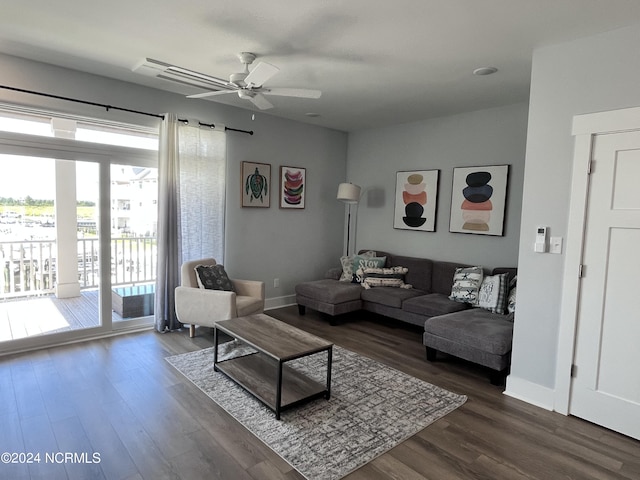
49	246
134	199
77	239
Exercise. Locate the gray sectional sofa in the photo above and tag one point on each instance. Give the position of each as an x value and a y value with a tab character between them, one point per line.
452	327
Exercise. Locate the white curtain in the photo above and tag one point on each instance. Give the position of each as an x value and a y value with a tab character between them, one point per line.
203	154
191	205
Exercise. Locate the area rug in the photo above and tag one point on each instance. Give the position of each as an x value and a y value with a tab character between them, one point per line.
372	408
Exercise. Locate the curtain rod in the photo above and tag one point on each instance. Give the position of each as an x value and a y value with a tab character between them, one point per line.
111	107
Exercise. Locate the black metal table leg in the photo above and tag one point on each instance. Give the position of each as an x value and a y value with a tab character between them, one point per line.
329	360
279	390
215	348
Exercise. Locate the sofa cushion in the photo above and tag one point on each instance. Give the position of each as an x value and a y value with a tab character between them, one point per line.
433	304
389	296
419	270
477	328
330	291
442	277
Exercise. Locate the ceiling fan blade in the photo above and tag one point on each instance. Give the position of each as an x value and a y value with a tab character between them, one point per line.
260	74
211	94
293	92
259	101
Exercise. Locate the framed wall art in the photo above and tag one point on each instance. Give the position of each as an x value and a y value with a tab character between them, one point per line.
293	185
478	200
255	184
416	200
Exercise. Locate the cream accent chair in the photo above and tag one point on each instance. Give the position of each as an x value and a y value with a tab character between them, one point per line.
199	306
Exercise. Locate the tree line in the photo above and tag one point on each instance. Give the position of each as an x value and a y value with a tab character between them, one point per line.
33	202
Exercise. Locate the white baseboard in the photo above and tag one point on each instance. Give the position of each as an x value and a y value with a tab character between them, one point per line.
277	302
530	392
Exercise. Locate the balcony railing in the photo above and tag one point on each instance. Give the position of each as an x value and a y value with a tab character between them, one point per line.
29	267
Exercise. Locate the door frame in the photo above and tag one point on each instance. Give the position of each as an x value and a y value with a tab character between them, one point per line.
584	129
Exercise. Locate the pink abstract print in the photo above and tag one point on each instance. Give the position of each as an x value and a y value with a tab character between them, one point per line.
293	187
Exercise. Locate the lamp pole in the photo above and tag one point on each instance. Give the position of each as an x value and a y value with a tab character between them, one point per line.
349	194
348	227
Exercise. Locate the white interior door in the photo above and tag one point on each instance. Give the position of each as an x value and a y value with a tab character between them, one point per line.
606	385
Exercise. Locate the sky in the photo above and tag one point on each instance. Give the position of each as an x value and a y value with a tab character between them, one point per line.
21	176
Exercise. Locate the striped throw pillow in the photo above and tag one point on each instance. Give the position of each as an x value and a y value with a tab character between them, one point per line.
384	277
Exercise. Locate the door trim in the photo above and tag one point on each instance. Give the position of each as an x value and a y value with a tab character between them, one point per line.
584	129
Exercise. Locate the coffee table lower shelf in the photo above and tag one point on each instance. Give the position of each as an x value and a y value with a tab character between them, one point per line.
258	375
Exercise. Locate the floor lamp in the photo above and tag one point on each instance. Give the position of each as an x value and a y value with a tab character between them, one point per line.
349	194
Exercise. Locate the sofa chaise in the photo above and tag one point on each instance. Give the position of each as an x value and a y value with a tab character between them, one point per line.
453	327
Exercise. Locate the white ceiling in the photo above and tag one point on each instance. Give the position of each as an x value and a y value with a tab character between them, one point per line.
376	62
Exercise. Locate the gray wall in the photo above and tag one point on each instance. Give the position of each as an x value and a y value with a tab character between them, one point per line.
593	74
293	245
486	137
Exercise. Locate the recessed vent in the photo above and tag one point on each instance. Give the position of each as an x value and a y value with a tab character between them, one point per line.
172	73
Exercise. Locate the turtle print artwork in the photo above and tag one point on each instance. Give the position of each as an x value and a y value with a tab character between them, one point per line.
478	200
256	184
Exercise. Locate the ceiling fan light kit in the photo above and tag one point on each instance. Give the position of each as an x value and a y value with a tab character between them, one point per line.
246	57
248	84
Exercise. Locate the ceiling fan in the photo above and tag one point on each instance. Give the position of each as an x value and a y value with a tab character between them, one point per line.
249	85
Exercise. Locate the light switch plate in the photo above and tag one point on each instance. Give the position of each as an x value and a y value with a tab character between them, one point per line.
555	245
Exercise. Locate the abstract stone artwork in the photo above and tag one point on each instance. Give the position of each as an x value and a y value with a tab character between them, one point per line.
416	198
478	199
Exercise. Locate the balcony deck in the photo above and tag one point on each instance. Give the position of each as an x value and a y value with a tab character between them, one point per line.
24	317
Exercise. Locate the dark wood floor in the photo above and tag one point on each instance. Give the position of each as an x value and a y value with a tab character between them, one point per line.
118	398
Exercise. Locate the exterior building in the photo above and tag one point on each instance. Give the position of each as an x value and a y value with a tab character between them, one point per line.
134	199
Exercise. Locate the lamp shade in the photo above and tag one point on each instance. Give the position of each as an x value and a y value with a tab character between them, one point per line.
348	193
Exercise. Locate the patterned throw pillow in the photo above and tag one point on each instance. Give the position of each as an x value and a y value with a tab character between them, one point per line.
511	301
361	262
384	277
511	297
493	293
466	283
213	277
347	265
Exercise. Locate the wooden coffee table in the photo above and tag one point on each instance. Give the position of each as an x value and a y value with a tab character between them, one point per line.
265	374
